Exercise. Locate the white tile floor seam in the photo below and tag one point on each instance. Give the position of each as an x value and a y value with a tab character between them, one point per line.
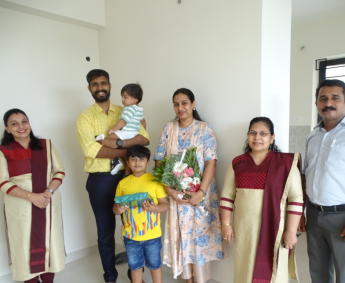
89	269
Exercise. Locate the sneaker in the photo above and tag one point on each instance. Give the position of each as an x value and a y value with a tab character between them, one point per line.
116	165
100	137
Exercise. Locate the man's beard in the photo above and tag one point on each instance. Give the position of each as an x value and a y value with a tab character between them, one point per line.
101	99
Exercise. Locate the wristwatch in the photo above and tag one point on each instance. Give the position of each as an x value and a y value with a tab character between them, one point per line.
51	190
119	143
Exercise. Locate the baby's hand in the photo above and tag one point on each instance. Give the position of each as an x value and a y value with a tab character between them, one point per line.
149	205
111	131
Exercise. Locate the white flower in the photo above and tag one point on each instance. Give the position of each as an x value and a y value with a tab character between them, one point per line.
185	183
196	181
179	167
184	186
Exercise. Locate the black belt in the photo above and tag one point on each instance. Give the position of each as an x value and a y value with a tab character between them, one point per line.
332	208
108	173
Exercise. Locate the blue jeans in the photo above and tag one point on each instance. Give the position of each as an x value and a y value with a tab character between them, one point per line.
101	189
148	251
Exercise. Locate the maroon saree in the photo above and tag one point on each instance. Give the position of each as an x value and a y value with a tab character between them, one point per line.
277	175
39	164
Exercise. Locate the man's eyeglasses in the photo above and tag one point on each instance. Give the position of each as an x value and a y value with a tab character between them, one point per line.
262	134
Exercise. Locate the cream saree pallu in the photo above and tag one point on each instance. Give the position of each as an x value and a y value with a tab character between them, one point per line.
35	236
185	248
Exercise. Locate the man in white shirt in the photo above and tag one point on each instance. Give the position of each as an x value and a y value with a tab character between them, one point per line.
324	170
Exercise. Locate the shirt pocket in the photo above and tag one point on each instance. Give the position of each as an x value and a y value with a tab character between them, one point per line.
336	157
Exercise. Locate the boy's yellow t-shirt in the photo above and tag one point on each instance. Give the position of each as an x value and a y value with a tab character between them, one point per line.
140	224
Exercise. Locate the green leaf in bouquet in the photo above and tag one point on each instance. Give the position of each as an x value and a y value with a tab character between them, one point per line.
158	171
171	180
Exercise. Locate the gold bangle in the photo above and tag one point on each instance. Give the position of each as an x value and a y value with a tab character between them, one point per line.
28	197
226	224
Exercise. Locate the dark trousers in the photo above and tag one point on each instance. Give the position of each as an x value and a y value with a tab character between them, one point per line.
326	248
45	277
101	189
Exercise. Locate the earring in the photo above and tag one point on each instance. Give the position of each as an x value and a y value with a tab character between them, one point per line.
194	108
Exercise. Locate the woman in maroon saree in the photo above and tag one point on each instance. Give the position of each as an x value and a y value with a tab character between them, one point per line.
263	188
30	174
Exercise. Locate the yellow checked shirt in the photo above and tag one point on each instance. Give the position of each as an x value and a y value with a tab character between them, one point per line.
91	123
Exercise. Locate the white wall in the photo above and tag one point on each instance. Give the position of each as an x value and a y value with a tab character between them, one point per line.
90	12
212	47
322	39
275	67
42	72
215	48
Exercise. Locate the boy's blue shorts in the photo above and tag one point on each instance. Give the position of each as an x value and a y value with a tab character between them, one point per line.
140	251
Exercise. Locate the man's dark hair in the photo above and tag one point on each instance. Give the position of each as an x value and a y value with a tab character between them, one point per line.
330	83
95	74
8	138
133	90
138	151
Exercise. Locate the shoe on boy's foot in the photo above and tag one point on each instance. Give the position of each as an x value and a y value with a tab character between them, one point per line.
100	137
116	165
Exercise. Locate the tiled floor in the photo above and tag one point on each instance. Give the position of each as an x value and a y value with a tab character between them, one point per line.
89	269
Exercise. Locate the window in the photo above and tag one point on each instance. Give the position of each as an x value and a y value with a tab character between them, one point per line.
331	69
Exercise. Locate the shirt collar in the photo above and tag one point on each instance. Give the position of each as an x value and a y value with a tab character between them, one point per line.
99	108
320	124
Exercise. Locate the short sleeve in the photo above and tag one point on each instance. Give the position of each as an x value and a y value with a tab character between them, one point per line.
86	137
160	191
161	147
209	144
119	192
128	113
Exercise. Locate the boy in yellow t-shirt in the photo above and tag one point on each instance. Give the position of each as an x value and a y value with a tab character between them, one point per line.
141	229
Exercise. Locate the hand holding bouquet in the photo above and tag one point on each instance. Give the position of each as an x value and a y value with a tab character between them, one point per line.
182	173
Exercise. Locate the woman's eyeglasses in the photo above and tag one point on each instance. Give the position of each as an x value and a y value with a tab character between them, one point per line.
262	134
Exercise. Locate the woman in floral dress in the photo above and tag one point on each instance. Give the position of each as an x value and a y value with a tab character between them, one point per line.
191	240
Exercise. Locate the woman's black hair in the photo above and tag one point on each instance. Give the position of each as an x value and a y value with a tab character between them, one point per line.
191	97
7	138
270	127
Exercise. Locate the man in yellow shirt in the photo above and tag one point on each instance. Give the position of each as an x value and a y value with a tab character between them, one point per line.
101	185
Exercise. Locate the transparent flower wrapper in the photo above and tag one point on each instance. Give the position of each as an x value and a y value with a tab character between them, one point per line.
133	200
181	172
169	179
202	208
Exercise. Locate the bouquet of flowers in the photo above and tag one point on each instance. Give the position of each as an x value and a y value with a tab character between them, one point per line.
181	172
133	200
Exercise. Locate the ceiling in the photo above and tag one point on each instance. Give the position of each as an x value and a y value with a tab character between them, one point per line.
309	10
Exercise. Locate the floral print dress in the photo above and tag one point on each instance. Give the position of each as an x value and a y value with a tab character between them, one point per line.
201	239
